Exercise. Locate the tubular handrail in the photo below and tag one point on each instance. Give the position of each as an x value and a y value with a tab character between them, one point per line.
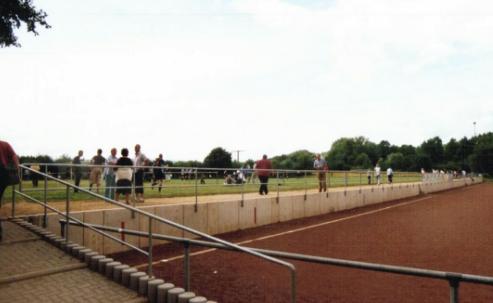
288	265
81	223
452	277
214	169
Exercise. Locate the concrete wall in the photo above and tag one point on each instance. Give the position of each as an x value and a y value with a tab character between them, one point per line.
221	217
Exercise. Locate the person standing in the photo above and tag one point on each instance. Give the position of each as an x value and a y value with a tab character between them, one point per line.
140	160
9	166
263	169
109	175
320	165
158	172
77	170
34	175
124	176
9	170
390	175
368	175
96	171
377	173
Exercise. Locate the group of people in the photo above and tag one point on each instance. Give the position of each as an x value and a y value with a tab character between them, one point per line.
263	169
118	173
240	176
378	177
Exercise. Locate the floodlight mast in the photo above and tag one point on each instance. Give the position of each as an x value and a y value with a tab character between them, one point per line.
237	154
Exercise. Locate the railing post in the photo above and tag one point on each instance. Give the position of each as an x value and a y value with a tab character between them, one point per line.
345	178
67	213
13	201
20	178
306	189
196	191
277	176
134	194
454	290
293	286
186	264
243	193
149	256
45	196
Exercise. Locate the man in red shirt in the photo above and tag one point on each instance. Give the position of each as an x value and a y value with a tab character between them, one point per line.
9	164
8	160
263	169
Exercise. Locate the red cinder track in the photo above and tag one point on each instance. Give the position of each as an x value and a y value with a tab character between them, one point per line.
449	231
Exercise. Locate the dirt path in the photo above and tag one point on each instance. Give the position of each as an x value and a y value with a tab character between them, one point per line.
450	231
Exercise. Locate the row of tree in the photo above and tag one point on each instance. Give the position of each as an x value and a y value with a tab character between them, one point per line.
470	154
359	152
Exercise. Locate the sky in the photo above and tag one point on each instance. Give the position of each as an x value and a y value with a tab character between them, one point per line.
260	76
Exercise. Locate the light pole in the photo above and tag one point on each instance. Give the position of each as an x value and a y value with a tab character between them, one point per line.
474	123
237	154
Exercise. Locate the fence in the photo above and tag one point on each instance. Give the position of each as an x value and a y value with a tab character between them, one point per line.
193	181
151	217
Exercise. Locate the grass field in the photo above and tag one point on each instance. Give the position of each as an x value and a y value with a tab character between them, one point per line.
183	188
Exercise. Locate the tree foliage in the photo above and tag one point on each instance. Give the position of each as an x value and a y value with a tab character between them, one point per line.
481	160
218	158
474	153
298	160
13	13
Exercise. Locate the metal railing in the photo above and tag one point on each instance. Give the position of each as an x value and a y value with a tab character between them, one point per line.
454	279
194	181
151	217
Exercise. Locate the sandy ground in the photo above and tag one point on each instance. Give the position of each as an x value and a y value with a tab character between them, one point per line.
449	231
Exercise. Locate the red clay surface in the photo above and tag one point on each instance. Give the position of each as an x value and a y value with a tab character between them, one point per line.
448	231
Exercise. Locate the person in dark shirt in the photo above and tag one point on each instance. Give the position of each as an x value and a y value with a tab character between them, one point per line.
158	172
124	176
77	170
96	171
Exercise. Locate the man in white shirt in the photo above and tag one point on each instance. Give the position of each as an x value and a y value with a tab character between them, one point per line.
140	160
109	175
377	173
321	167
390	174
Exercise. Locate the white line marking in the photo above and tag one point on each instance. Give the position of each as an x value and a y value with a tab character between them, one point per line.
296	230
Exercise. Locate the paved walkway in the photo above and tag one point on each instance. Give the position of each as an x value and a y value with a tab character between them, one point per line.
34	270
